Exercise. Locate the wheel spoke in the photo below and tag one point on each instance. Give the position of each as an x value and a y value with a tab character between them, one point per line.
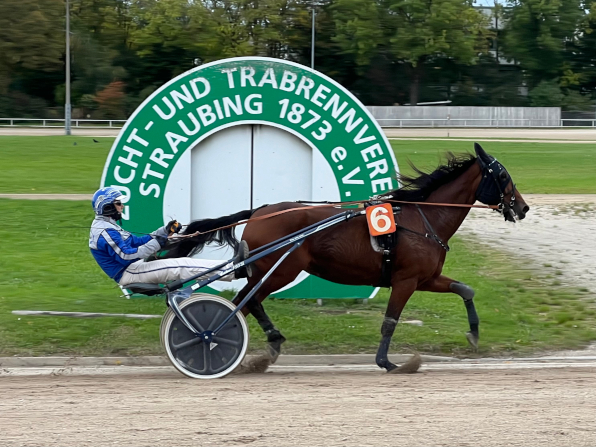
193	341
227	341
215	320
191	318
206	358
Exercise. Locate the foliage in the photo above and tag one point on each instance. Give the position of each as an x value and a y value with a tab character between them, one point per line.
384	51
538	34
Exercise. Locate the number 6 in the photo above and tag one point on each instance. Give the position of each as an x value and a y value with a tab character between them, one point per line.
379	219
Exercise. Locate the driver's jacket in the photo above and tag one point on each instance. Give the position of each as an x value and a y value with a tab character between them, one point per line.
115	249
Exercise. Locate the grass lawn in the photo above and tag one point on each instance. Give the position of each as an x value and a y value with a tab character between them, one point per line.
60	165
57	165
537	168
46	265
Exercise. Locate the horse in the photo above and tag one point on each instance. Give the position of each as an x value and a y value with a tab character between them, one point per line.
343	253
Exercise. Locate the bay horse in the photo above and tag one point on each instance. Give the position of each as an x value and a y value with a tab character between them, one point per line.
343	253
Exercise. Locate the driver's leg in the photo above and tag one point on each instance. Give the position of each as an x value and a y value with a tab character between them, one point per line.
163	271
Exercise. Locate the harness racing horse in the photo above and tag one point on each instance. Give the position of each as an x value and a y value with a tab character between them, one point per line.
344	254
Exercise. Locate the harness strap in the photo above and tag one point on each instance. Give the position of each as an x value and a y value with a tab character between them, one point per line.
433	235
386	268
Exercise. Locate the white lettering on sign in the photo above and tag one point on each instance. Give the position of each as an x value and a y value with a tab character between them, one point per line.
122	180
320	93
162	115
268	78
185	96
158	156
379	167
338	154
195	87
133	136
195	122
229	72
305	85
247	74
348	180
131	153
386	184
174	140
370	151
288	81
254	108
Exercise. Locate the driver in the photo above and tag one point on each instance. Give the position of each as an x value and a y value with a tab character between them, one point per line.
121	255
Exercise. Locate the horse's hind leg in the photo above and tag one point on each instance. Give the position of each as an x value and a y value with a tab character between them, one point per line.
400	294
274	336
443	284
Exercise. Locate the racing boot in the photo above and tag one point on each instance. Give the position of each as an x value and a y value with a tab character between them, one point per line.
242	254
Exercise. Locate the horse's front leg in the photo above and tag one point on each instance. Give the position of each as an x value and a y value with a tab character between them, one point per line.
443	284
401	291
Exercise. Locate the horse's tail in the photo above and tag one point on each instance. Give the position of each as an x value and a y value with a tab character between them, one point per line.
192	245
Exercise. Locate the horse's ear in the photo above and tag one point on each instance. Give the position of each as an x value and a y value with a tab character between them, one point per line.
481	153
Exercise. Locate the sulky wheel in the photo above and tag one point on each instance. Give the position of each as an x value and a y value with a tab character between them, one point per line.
195	358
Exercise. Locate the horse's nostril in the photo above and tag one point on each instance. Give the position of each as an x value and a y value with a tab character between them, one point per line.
526	209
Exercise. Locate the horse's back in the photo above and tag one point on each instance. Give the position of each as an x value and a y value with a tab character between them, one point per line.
292	217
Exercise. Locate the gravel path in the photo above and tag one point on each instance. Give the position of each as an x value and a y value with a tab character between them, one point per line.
557	236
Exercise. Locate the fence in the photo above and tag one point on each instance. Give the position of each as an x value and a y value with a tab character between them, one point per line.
383	122
484	123
54	122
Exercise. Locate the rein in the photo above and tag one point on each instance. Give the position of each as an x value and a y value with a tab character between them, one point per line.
333	205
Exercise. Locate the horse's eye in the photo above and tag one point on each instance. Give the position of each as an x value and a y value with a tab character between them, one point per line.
503	175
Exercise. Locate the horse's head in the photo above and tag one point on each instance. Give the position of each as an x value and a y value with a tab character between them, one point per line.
497	187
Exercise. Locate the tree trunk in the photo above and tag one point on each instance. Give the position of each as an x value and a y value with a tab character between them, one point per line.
414	85
416	75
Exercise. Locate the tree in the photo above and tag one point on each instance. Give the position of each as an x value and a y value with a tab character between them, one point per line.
431	29
29	40
539	35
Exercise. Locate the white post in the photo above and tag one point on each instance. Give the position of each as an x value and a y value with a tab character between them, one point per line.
67	105
312	41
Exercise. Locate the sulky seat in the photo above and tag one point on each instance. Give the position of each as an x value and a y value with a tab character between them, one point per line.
146	288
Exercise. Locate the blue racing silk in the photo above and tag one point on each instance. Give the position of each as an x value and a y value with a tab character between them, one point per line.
115	249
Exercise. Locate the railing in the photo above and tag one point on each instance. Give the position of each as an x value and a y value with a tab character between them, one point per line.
483	122
55	122
384	122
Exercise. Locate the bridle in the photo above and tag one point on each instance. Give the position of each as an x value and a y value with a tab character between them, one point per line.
493	192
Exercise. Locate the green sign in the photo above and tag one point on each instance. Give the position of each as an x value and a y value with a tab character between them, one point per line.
237	91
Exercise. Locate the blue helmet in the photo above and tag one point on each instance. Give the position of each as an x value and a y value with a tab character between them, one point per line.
103	202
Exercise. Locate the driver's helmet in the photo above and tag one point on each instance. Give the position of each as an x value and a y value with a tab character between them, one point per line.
103	201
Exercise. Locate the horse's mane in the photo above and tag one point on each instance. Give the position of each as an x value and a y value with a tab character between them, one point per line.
417	188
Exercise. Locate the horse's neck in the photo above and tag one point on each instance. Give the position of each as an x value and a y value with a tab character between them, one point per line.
446	220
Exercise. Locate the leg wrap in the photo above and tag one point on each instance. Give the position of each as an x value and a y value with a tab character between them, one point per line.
472	315
387	330
463	290
388	327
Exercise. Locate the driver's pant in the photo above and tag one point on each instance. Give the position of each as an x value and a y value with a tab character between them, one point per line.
163	271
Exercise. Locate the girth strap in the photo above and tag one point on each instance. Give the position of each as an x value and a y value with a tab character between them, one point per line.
386	268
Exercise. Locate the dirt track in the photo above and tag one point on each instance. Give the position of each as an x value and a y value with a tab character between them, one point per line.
498	407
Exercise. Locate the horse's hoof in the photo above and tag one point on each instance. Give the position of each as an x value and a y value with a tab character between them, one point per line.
410	367
273	354
473	340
